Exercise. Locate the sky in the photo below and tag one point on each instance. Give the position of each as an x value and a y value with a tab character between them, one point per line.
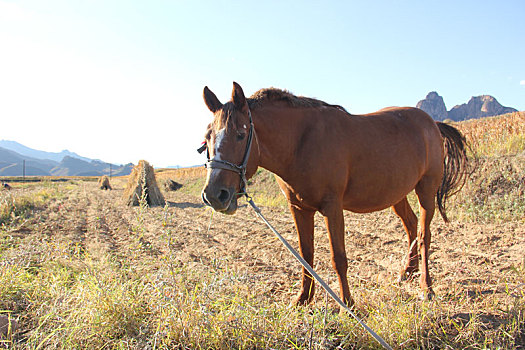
122	80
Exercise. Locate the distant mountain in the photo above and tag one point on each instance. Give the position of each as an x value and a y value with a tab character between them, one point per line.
12	164
30	152
477	107
434	105
71	166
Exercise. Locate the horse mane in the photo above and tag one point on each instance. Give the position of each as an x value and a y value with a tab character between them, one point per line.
261	96
269	95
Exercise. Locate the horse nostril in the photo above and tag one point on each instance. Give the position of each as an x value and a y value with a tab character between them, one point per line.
204	199
224	195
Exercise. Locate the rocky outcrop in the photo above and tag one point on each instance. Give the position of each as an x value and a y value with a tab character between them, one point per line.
434	105
477	107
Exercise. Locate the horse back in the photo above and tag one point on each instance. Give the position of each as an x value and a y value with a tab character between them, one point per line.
373	160
393	150
370	161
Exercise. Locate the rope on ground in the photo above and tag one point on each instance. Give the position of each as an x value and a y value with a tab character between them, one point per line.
316	276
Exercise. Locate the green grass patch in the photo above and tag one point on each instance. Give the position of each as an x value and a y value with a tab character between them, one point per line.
16	205
495	192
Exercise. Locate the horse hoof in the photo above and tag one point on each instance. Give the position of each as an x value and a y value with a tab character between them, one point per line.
427	295
300	300
405	276
349	303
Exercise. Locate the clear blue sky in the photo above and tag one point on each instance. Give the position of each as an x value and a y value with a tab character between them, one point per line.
122	80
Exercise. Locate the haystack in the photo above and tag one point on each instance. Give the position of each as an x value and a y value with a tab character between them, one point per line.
103	183
143	185
170	185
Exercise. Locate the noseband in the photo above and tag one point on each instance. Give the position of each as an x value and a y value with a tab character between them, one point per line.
225	165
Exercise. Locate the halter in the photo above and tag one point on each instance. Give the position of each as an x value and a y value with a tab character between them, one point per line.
225	165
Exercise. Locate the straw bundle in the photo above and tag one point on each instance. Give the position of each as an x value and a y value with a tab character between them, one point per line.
142	185
103	183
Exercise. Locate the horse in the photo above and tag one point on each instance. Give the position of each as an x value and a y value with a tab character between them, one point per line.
327	160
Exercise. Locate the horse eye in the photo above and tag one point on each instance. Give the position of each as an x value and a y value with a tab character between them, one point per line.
240	136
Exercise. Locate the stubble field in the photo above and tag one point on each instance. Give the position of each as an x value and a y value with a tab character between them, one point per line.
79	269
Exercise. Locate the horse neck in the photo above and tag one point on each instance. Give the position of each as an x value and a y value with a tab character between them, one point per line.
276	139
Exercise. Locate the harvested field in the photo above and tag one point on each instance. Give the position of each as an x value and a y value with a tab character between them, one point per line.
79	269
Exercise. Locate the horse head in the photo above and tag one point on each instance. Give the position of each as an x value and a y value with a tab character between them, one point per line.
232	148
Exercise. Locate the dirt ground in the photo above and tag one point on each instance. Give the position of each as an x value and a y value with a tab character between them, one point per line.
467	260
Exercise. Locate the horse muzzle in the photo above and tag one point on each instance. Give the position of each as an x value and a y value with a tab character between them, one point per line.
223	200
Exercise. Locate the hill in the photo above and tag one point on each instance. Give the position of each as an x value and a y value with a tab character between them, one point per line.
34	153
13	163
477	107
71	166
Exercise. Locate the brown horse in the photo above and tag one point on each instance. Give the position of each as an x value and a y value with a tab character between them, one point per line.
327	160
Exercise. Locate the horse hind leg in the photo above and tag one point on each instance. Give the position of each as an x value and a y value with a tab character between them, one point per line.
409	219
426	191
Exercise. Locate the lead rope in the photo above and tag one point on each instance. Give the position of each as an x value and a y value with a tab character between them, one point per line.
315	275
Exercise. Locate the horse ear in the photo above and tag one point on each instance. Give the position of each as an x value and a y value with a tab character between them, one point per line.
211	100
239	101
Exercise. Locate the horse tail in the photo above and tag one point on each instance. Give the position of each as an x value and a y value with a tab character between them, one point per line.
455	165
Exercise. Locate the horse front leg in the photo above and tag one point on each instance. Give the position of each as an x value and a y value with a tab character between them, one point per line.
304	224
333	215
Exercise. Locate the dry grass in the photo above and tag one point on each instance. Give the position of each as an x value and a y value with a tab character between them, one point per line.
192	179
78	273
18	205
495	136
495	190
181	173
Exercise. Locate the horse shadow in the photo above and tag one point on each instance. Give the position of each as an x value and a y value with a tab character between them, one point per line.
185	205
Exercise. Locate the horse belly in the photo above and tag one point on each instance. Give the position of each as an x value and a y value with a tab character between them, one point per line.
372	192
